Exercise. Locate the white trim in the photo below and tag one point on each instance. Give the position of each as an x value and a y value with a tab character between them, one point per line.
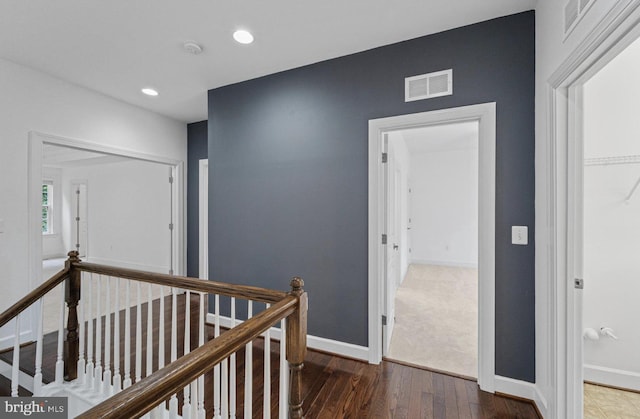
485	114
348	350
612	377
614	33
203	218
444	263
522	389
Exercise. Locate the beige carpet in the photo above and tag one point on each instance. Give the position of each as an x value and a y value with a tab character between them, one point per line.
437	319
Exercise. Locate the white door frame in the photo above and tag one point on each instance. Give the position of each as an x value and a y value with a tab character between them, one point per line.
485	114
203	217
36	142
615	32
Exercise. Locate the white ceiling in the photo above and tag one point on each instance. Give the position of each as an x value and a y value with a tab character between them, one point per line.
446	137
116	47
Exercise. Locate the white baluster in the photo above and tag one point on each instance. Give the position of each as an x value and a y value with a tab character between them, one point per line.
138	332
15	367
149	330
186	406
200	404
89	382
161	330
232	367
283	402
216	368
37	377
98	368
127	337
193	390
266	399
173	401
81	337
106	376
59	361
160	411
173	407
224	388
117	378
248	370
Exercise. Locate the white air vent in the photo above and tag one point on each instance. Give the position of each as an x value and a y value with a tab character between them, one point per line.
429	85
571	12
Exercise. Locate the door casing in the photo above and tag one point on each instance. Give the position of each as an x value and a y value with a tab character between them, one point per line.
485	114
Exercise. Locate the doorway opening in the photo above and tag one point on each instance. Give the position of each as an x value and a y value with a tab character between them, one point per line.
610	236
387	261
114	206
577	199
432	270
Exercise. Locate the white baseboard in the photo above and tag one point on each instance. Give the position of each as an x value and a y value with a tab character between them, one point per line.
128	265
522	389
445	263
612	377
348	350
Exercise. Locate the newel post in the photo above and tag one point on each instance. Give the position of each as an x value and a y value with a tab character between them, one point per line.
71	297
297	347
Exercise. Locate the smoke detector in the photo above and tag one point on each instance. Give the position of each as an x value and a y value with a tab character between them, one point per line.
192	47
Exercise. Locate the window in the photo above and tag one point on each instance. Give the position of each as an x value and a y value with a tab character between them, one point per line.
47	207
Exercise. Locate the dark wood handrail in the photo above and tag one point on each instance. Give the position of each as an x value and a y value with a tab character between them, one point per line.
212	287
33	296
154	389
144	395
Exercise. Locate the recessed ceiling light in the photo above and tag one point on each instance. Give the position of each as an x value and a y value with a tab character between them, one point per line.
243	37
149	91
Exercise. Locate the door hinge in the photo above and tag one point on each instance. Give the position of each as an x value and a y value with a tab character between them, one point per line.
385	157
171	179
578	283
384	239
171	226
384	320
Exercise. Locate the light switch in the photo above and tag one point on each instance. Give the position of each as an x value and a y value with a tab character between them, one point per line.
520	235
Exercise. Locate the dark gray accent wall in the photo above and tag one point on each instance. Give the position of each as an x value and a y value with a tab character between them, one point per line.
288	173
197	150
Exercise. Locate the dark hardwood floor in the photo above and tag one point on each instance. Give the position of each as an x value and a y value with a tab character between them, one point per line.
333	387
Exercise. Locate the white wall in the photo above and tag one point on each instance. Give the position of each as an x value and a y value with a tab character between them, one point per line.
444	207
611	225
552	49
31	100
612	273
128	213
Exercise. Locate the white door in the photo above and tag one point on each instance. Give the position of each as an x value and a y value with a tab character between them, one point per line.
79	220
392	277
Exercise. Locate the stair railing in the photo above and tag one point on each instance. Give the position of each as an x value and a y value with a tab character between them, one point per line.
204	372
